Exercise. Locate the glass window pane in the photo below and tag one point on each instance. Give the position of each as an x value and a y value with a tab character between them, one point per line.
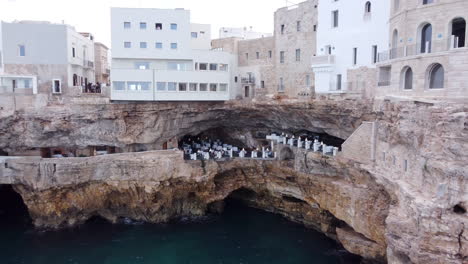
118	86
173	26
194	35
213	87
173	45
203	87
193	87
172	86
159	45
223	87
161	86
182	87
213	67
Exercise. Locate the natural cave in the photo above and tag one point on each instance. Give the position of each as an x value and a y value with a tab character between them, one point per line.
12	207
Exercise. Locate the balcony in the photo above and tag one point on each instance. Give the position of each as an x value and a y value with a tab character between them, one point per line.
106	72
88	64
435	46
248	80
323	60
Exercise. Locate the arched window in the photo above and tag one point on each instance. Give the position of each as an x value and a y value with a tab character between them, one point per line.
458	32
75	80
407	78
436	76
368	7
426	38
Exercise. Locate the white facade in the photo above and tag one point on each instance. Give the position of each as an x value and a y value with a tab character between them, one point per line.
242	33
350	34
44	57
157	55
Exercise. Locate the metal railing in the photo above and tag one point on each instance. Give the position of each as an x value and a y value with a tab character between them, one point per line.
434	46
248	80
324	59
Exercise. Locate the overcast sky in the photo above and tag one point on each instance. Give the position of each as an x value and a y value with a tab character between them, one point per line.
94	15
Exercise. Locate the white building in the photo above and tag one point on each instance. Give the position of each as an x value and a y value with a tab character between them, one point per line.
350	34
243	33
158	55
41	57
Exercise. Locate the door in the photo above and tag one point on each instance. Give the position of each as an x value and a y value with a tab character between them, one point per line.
247	91
13	84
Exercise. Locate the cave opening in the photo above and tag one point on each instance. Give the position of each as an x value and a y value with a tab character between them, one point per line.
459	209
13	211
219	133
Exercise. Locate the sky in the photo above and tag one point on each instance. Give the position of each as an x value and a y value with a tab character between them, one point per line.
94	15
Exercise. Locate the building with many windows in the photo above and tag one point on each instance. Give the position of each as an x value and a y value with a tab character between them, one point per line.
427	55
101	63
158	55
350	35
44	58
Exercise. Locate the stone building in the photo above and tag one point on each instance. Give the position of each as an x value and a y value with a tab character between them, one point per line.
101	60
278	65
428	55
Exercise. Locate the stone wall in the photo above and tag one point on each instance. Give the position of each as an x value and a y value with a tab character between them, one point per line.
360	146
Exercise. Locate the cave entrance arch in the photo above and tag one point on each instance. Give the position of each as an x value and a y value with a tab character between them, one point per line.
13	210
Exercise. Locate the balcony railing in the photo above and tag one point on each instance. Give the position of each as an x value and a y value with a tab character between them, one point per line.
88	64
324	59
248	80
435	46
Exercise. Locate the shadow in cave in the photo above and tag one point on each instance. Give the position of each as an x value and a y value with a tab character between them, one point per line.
13	211
213	134
243	202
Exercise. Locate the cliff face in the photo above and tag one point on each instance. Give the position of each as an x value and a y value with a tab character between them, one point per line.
407	204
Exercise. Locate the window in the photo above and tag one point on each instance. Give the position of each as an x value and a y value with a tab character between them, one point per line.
27	83
193	87
194	35
307	80
182	87
139	86
118	86
407	81
298	26
246	91
257	54
142	65
426	38
235	79
338	82
458	32
281	56
374	54
281	85
173	46
394	50
213	87
425	2
173	26
213	67
127	25
223	67
22	50
158	26
262	84
73	53
172	86
436	77
270	54
56	86
368	7
143	45
354	56
246	56
161	86
328	49
142	25
298	55
176	66
396	5
159	45
335	19
405	165
282	29
203	66
315	28
127	44
203	87
223	87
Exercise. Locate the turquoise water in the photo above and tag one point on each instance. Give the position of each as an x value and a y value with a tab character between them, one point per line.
239	235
